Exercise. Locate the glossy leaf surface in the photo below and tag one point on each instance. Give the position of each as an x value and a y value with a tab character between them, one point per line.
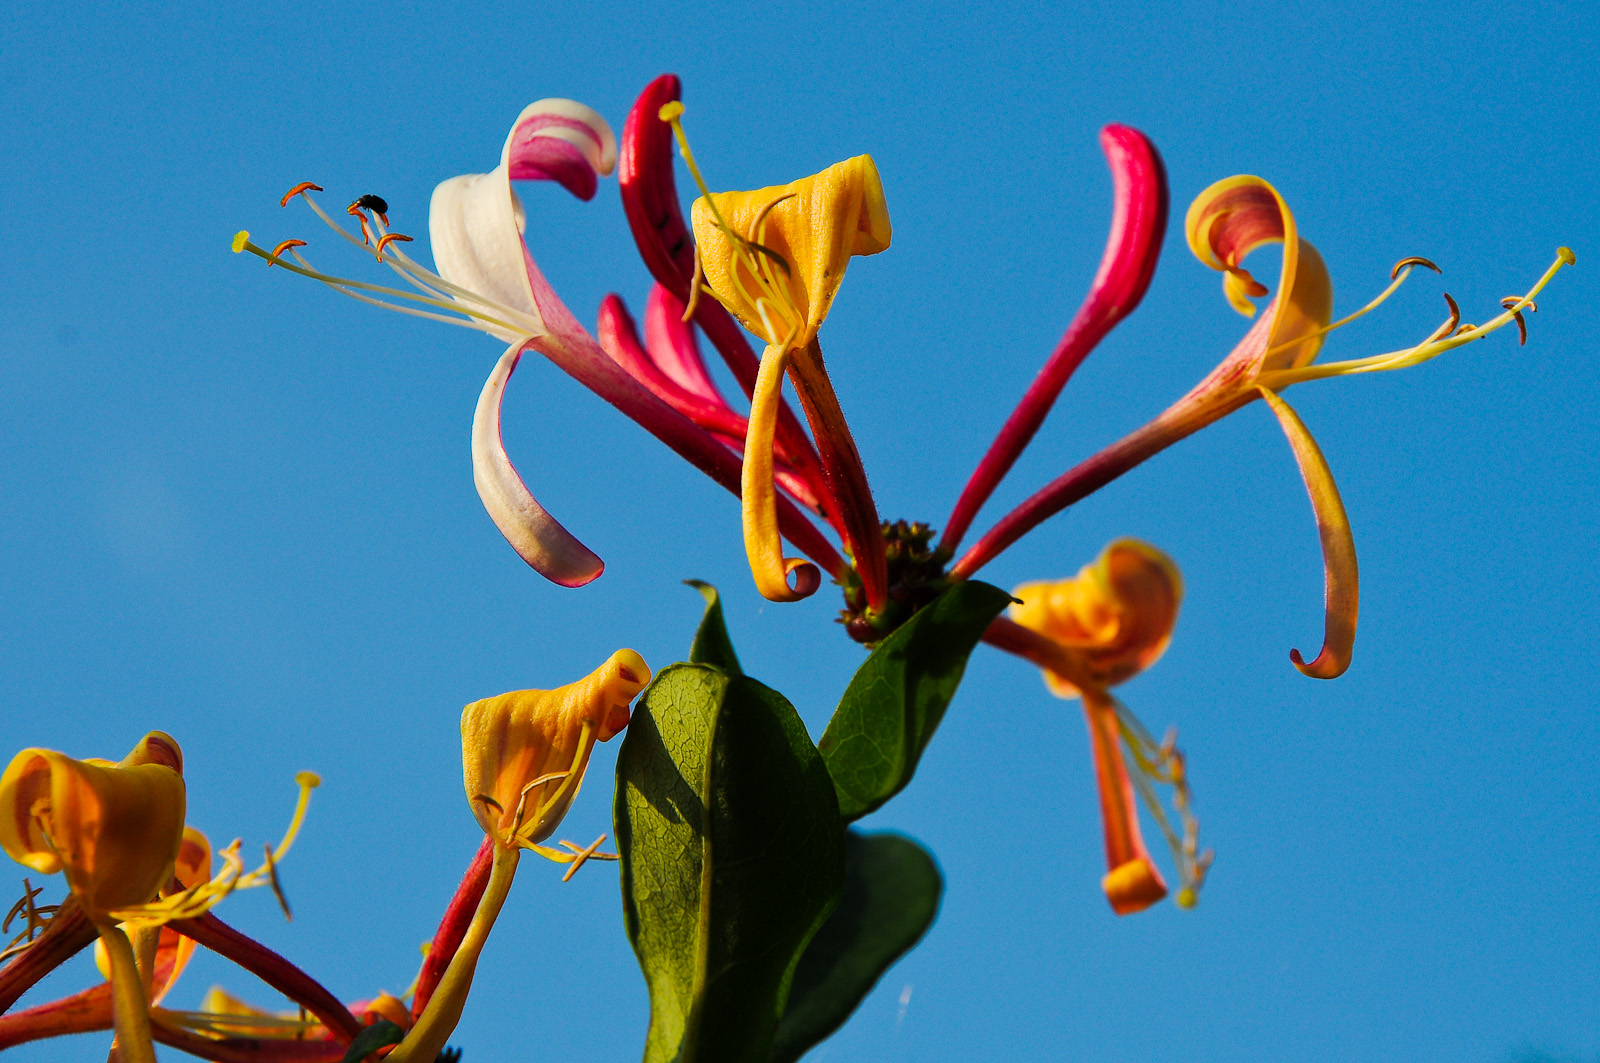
732	857
891	896
897	697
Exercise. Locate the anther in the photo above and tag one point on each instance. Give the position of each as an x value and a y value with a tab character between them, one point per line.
377	204
303	186
388	238
281	248
277	886
1412	260
1512	300
1455	314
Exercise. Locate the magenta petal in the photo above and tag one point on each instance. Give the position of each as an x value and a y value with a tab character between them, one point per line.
534	534
672	345
546	159
1138	224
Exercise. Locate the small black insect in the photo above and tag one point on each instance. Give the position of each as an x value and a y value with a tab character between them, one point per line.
376	204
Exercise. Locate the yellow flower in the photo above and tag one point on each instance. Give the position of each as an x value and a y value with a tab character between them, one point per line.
523	754
1100	628
775	257
1117	614
115	829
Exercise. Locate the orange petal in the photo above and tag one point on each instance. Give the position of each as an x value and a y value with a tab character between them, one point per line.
1234	217
758	501
1132	882
1341	582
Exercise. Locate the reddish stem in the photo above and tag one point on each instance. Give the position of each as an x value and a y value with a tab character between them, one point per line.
1188	415
81	1012
1138	224
847	478
272	969
66	934
248	1049
453	927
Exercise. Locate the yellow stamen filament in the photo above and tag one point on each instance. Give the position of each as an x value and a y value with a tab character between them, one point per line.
1162	763
201	898
1432	347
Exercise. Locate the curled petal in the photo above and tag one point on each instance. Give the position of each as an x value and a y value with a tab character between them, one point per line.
1341	583
1234	217
115	829
807	232
1112	620
649	192
1138	224
535	535
561	141
758	499
524	753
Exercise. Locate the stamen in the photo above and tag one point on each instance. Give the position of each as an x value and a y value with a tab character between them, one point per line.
387	239
35	919
302	187
202	897
1429	348
1164	764
1413	260
694	287
1397	276
582	858
277	886
272	257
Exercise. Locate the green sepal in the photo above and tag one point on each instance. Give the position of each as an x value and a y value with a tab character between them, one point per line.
711	643
891	896
897	697
371	1038
732	857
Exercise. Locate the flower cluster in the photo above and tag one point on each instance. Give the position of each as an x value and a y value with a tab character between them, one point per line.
140	885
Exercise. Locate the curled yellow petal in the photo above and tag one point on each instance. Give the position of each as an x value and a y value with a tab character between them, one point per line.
524	753
115	829
1341	582
1234	217
1113	619
758	502
775	256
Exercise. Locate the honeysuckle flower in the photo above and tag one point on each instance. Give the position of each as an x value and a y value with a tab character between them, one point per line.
1224	224
523	756
486	280
775	258
1089	633
117	832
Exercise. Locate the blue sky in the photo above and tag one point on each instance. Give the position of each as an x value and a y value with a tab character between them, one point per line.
239	508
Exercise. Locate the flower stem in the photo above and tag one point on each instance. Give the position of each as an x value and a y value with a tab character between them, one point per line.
438	1021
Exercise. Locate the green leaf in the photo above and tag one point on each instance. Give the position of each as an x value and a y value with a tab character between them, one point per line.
898	696
891	895
711	642
371	1038
732	857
